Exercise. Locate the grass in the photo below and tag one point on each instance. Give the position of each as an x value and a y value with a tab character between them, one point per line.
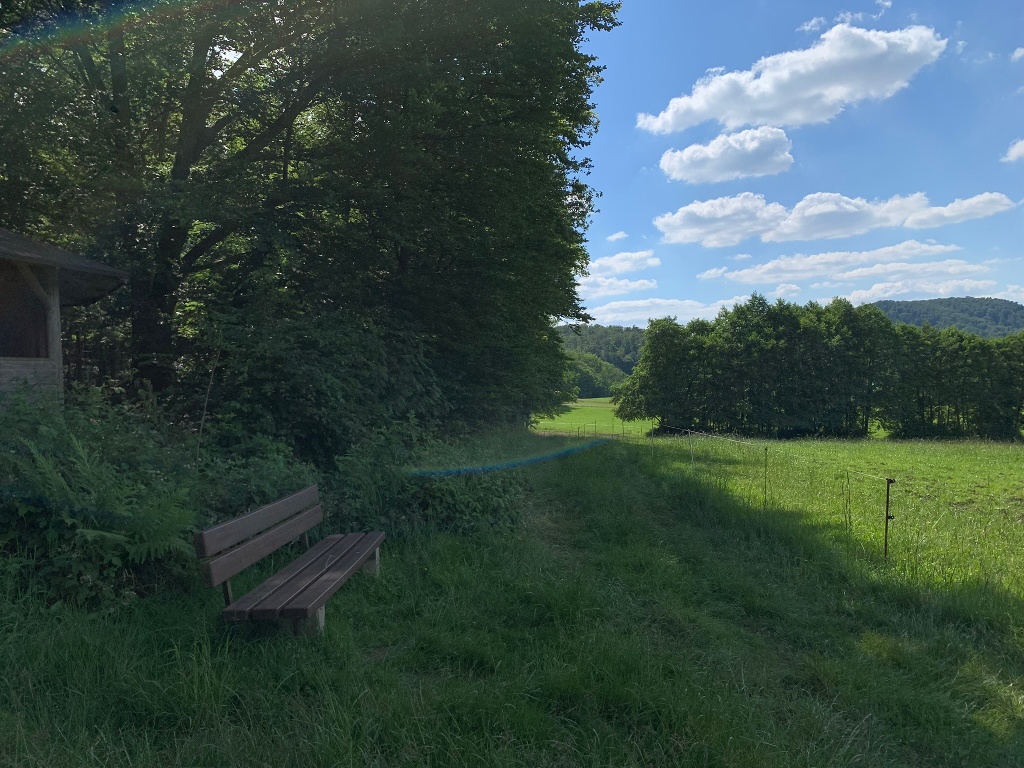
651	612
592	417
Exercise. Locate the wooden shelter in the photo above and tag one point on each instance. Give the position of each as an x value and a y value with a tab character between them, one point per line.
36	280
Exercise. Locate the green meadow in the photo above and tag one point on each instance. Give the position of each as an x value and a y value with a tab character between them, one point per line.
591	417
658	605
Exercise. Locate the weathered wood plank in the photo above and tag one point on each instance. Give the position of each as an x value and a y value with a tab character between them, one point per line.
319	591
232	532
270	607
241	609
226	565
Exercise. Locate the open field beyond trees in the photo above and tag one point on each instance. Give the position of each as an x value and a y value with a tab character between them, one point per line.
650	610
593	416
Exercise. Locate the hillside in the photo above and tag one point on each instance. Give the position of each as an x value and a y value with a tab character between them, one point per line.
986	317
612	343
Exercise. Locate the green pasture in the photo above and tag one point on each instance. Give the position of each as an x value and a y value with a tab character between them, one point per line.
592	417
659	606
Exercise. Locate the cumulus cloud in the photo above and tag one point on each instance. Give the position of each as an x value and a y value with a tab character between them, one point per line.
620	235
639	311
786	291
921	288
813	25
789	269
1015	152
722	221
977	207
596	286
624	262
845	66
1013	293
760	151
829	215
946	268
1017	55
820	215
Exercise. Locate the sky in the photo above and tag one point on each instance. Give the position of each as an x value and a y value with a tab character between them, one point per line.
805	150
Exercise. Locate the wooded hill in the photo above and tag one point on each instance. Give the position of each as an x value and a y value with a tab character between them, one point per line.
991	318
614	344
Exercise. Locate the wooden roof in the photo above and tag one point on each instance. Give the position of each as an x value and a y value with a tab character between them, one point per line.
81	281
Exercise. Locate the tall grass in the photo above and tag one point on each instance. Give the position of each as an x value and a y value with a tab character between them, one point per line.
644	614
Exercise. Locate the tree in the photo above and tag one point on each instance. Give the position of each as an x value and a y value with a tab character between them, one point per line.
409	164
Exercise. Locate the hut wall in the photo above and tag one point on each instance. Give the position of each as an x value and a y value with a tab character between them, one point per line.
30	349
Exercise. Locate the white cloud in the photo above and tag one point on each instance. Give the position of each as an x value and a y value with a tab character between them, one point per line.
639	311
960	45
1013	293
829	215
947	268
713	273
596	286
1015	152
786	291
921	288
977	207
722	221
730	220
620	235
757	152
789	269
1017	55
813	25
741	257
883	6
624	262
845	66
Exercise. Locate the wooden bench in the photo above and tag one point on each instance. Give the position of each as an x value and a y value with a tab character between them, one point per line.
298	593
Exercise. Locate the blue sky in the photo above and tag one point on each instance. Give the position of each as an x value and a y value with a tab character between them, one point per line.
806	150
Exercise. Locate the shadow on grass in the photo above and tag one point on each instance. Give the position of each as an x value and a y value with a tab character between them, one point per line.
933	670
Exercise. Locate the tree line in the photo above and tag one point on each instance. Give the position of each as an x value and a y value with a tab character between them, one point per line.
335	217
785	370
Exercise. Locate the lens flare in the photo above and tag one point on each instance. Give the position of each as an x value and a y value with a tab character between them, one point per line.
512	464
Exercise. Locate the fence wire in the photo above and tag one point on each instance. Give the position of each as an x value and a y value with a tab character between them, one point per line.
962	532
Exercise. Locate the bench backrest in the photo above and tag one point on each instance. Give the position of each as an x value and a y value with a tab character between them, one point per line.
234	545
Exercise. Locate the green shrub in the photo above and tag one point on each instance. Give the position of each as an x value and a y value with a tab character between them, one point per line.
91	513
375	486
100	500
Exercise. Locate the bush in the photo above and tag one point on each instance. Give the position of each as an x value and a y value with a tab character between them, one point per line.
376	486
93	512
100	500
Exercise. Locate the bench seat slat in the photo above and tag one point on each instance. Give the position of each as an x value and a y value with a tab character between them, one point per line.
311	569
224	566
241	608
232	532
319	591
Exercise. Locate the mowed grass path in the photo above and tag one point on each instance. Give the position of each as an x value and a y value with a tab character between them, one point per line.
644	615
592	417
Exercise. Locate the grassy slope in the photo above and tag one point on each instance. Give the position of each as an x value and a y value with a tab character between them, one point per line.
640	618
591	416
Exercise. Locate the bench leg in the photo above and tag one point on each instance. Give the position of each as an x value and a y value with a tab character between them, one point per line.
312	626
373	564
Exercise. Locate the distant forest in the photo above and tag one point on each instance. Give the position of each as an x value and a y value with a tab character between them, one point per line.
785	370
612	343
991	318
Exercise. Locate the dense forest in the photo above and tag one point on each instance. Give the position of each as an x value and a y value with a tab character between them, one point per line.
991	318
783	370
333	220
614	344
